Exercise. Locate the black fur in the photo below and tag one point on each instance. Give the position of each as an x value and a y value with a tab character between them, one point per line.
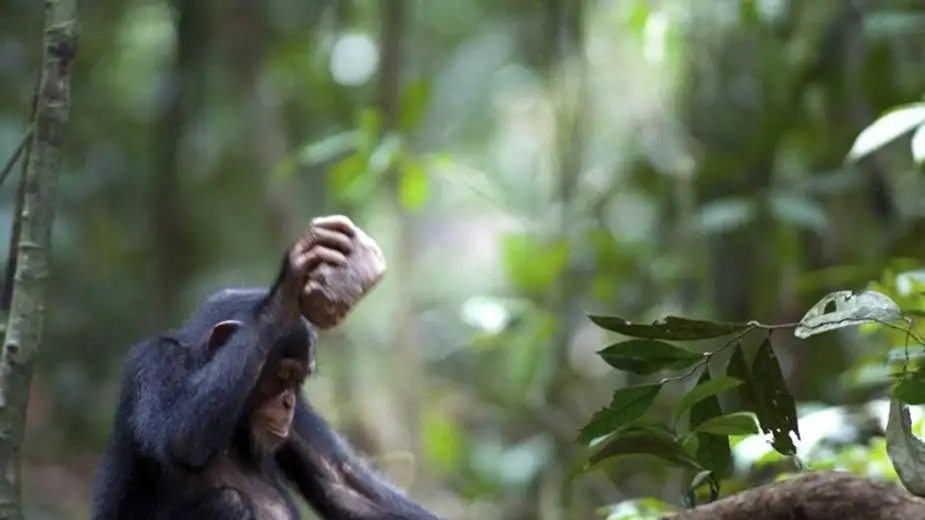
182	402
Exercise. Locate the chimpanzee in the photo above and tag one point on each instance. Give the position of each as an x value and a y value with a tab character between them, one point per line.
211	423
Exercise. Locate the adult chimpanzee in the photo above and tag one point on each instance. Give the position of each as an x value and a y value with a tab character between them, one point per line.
211	424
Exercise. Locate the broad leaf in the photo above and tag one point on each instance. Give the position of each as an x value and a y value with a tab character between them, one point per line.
646	356
711	451
845	309
369	130
414	100
327	149
738	368
413	185
906	451
347	172
708	388
738	423
889	127
627	405
644	441
671	328
776	409
533	264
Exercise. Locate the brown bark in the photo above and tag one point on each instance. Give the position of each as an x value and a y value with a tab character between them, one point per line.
814	496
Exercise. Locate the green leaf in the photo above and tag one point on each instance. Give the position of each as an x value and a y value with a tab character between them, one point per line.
846	309
737	423
776	409
711	451
646	356
910	388
918	145
523	354
414	100
738	368
906	451
531	264
643	441
888	128
369	130
707	388
442	439
627	405
347	172
414	185
284	168
327	149
671	328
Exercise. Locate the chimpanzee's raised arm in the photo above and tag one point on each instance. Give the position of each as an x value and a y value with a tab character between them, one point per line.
336	482
183	409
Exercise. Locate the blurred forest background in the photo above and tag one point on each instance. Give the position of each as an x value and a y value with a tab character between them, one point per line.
521	162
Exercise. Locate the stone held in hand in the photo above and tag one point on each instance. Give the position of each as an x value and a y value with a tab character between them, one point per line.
331	292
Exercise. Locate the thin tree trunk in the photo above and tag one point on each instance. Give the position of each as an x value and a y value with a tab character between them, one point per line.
565	67
174	244
407	360
27	308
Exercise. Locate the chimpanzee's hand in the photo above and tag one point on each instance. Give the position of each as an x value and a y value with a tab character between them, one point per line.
340	264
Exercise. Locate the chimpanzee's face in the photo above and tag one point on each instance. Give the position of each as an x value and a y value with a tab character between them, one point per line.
271	420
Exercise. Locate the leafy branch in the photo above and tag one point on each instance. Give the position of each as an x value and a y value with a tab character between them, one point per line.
765	404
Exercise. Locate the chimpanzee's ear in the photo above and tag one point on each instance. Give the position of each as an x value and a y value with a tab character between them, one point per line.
220	334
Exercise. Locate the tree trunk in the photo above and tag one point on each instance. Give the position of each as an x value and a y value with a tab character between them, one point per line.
27	306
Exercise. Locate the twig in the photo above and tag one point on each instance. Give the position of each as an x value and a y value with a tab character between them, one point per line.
707	356
16	153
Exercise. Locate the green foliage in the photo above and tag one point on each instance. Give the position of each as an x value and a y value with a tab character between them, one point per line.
706	388
649	441
671	328
738	423
760	387
414	100
532	264
626	405
910	387
774	405
646	356
444	442
710	450
414	185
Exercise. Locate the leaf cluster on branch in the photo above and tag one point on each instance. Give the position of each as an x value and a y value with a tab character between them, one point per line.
764	404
